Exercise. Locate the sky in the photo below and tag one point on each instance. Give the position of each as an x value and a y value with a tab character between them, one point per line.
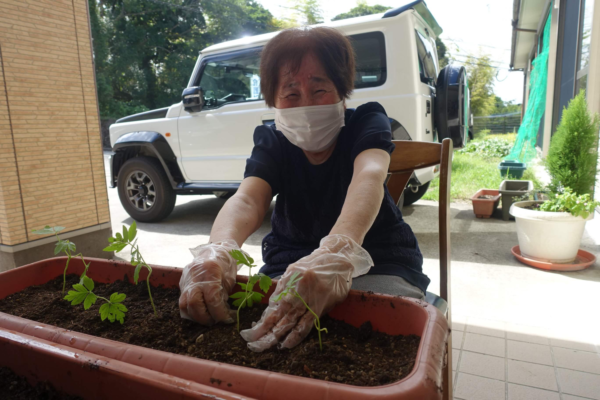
470	27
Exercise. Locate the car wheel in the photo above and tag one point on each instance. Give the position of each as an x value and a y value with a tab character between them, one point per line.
411	196
144	190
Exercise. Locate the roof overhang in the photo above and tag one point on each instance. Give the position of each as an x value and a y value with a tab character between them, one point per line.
527	16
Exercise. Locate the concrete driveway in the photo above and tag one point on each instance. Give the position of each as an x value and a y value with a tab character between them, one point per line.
519	332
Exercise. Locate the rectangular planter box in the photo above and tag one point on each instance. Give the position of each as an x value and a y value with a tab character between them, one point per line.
512	169
484	208
511	192
91	376
388	314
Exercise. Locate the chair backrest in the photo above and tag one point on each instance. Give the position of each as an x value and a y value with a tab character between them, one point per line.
409	156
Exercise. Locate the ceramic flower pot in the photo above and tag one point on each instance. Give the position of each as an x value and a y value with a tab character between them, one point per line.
553	237
485	202
388	314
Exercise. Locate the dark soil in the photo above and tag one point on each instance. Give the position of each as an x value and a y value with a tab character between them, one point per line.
486	197
361	357
534	207
15	387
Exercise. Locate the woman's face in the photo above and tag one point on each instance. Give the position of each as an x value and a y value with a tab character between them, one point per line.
310	86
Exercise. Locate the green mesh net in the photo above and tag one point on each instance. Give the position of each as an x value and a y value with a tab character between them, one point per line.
524	148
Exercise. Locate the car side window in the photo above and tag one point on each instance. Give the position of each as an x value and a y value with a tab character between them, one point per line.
428	67
371	68
231	78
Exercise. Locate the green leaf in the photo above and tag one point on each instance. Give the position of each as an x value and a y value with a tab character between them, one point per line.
117	298
111	239
252	281
250	303
238	295
116	247
70	245
104	310
132	231
242	285
265	283
241	258
125	234
257	297
76	297
80	288
119	237
133	262
114	312
88	283
58	248
136	273
89	300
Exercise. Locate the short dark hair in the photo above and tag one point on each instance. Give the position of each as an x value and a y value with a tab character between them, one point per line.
289	47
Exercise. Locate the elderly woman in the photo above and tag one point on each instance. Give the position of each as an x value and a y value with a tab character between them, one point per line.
334	222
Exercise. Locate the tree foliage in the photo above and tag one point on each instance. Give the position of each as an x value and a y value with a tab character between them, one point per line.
308	12
506	107
442	52
481	84
573	152
145	50
361	9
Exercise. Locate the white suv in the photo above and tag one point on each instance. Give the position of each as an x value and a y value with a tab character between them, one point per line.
200	145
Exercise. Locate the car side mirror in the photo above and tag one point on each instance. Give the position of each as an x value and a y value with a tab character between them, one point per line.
193	99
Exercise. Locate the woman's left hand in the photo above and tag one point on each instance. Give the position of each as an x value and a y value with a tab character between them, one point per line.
326	277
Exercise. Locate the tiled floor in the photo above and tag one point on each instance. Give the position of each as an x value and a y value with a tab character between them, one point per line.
493	360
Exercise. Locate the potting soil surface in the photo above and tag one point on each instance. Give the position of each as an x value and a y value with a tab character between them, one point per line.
355	356
15	387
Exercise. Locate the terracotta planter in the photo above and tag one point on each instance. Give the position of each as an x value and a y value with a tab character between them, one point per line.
392	315
91	376
484	208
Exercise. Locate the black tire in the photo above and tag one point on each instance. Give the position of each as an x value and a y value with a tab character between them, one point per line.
411	197
153	199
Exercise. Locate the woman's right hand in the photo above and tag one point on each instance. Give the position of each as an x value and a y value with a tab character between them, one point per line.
206	283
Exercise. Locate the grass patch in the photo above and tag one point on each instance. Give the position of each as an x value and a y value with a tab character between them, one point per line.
474	171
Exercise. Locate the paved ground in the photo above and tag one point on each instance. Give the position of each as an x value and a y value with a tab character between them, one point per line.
519	333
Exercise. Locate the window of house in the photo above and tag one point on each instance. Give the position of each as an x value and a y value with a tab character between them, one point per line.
585	36
371	69
231	78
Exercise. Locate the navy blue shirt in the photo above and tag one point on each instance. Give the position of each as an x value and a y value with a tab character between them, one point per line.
310	198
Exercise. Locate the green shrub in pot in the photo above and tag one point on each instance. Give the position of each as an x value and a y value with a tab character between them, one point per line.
573	154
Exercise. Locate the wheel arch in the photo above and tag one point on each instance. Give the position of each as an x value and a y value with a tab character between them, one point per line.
149	144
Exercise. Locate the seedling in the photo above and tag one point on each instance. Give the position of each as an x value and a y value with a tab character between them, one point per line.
66	247
111	309
128	238
248	296
290	288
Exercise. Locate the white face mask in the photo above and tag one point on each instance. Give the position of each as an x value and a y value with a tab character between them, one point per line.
312	128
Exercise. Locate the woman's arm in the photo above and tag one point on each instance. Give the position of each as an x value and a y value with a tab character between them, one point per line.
243	213
365	195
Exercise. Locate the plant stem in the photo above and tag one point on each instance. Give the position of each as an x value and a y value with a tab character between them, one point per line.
317	320
149	292
143	262
65	273
238	311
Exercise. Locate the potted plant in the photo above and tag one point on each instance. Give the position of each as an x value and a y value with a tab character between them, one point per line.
551	230
485	202
168	344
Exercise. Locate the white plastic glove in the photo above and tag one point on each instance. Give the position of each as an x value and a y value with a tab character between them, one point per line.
206	283
326	279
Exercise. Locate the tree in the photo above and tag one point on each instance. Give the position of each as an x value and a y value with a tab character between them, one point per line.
442	52
145	50
361	9
309	11
480	76
505	107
